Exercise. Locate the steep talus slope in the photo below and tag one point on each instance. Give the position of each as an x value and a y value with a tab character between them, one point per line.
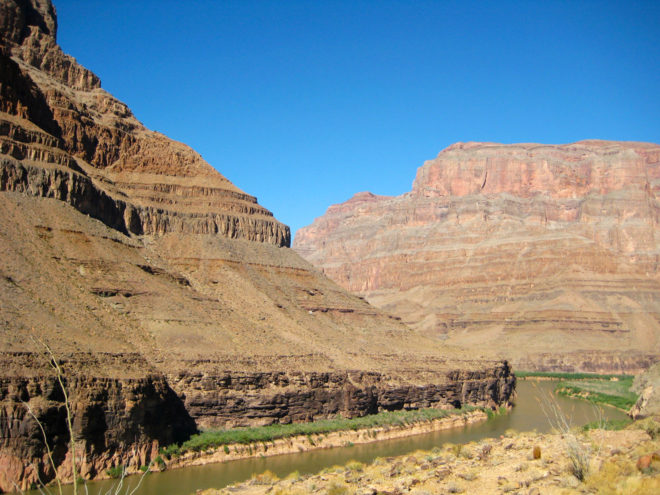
546	255
168	295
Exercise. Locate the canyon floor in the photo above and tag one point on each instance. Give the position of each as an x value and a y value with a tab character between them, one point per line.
613	462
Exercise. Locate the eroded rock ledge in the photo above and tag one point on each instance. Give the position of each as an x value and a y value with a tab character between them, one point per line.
123	420
118	420
234	399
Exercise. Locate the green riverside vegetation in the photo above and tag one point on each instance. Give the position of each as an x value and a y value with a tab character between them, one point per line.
612	390
615	393
568	376
216	438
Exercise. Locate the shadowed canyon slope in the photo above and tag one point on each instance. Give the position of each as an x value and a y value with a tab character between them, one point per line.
546	255
170	297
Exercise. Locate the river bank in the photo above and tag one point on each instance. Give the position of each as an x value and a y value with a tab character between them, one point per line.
608	390
305	443
526	415
595	461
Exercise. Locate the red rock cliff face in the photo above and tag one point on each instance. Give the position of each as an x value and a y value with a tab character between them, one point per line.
547	255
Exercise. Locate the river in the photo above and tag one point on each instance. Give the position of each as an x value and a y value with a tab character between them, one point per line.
527	415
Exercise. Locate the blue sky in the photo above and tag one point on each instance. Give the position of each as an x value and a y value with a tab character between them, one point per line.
304	103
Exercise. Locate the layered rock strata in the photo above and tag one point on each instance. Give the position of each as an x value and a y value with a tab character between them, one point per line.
242	399
168	295
117	419
546	255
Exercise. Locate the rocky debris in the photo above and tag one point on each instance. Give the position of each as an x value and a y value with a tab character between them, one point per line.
543	254
647	385
170	294
510	470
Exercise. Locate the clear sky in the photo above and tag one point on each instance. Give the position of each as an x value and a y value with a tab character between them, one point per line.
304	103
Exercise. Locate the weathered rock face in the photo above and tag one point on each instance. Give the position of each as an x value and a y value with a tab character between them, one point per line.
243	399
647	385
545	255
169	295
117	420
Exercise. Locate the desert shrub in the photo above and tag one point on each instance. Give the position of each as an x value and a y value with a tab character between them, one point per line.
336	489
650	426
266	477
355	466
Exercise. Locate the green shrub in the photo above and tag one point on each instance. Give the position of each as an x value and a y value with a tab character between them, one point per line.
115	472
610	424
262	434
569	376
614	393
170	451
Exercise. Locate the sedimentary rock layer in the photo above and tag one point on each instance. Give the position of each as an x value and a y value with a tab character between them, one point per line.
62	136
168	296
242	399
547	255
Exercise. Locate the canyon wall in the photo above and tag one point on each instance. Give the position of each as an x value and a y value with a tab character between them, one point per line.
546	255
169	297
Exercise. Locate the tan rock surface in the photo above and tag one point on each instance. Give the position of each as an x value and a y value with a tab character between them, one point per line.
169	295
647	385
544	254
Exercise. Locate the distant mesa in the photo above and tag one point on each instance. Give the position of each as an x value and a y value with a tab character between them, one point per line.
547	255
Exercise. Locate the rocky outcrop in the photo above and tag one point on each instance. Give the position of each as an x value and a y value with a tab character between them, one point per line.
247	399
168	294
545	255
647	386
117	420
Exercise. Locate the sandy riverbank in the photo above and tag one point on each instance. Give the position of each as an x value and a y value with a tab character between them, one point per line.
305	443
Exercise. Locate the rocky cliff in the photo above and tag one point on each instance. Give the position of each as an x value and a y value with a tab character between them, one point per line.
546	255
168	295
